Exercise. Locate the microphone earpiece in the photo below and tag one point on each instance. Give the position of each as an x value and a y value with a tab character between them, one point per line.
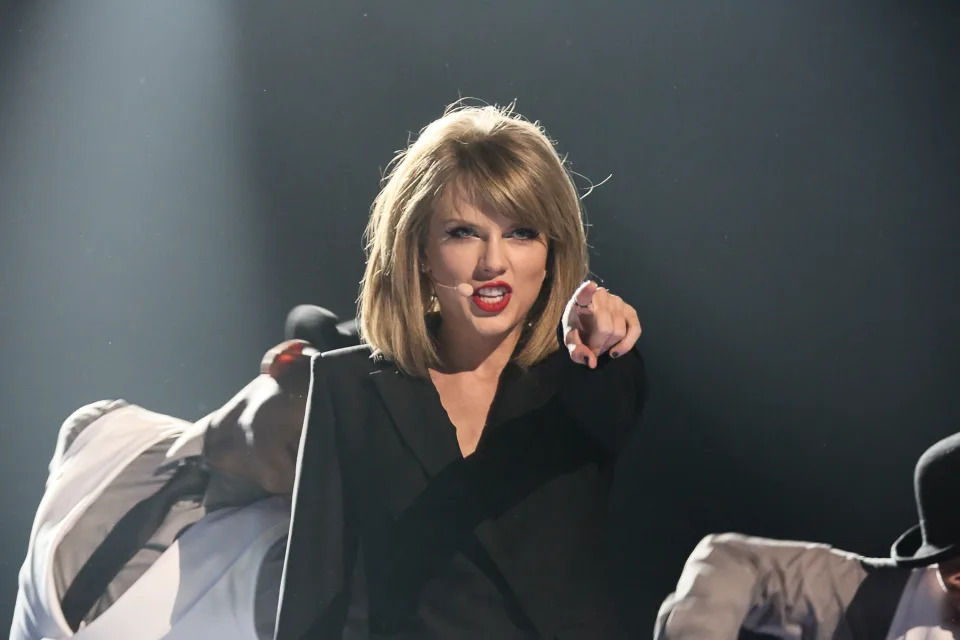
462	288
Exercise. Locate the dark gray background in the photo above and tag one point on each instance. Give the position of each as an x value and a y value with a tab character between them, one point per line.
174	176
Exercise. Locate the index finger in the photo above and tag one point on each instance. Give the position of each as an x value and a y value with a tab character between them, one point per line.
584	294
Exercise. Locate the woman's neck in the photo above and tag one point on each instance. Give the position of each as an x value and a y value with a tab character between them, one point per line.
462	351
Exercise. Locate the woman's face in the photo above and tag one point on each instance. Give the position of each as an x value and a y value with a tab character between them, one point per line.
503	261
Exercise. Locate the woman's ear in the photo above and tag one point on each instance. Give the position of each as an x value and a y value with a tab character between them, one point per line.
422	261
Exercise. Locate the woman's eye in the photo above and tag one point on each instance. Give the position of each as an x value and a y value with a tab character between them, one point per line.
461	232
525	233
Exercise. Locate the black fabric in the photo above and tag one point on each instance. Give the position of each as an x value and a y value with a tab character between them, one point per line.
512	462
473	550
127	537
871	611
380	468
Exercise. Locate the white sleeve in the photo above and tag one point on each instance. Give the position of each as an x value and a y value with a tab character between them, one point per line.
74	425
790	590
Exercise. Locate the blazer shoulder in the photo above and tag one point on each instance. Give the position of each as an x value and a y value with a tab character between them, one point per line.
348	365
356	352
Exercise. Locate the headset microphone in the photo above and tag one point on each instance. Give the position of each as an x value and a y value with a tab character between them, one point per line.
462	288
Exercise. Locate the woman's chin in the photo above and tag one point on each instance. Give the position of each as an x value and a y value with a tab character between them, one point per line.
487	325
494	326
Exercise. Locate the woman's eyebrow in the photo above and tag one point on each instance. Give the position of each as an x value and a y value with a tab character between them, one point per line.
459	220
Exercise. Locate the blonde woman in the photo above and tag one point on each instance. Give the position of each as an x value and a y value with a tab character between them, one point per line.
453	472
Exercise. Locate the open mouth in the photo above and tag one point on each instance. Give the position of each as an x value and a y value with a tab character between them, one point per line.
492	296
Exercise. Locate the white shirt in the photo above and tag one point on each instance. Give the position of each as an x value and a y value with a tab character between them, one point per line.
920	613
205	585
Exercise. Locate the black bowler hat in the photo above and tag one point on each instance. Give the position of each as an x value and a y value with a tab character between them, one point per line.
936	485
320	327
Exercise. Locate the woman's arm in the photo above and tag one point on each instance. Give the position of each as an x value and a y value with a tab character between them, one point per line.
604	383
321	549
606	401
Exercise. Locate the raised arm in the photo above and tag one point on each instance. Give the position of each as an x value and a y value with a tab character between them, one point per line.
791	590
75	424
605	385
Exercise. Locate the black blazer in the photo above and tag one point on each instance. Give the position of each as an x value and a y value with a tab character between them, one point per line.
396	534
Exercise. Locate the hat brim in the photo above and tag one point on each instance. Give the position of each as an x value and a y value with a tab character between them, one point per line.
910	551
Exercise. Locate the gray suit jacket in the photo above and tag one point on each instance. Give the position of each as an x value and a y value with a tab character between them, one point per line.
789	590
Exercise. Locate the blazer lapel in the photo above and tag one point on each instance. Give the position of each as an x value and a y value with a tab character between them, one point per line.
522	391
416	411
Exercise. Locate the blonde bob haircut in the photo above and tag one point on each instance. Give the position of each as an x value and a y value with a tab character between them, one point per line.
495	160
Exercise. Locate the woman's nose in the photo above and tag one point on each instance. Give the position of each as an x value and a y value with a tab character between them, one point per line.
493	260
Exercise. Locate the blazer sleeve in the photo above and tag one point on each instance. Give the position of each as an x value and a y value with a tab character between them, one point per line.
791	590
607	401
321	548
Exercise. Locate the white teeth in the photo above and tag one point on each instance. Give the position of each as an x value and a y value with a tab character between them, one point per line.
492	292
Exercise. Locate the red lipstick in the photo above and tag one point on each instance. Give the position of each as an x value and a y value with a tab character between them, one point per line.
495	298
